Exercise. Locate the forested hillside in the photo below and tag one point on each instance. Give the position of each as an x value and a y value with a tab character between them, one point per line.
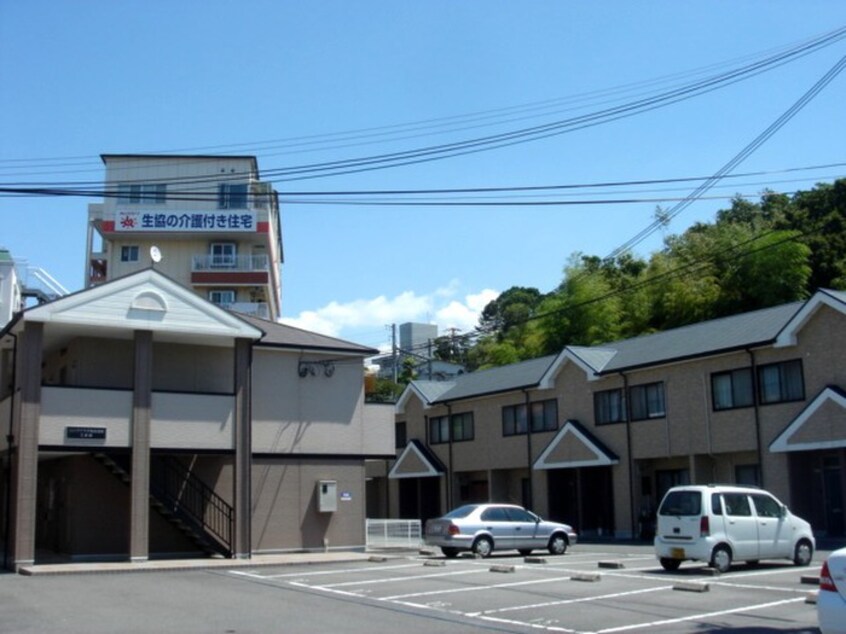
753	255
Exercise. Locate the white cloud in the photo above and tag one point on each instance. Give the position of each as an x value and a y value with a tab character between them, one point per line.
465	315
343	320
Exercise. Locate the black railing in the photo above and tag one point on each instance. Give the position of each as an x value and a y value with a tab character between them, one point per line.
187	497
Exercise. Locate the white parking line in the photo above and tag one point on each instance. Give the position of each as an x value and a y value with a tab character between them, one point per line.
317	573
695	617
546	604
396	579
475	588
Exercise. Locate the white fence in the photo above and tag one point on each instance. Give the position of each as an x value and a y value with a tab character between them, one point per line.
393	533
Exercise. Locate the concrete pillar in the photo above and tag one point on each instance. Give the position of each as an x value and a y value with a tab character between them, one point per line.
242	482
25	457
139	520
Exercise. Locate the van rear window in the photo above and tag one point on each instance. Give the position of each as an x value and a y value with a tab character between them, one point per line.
681	503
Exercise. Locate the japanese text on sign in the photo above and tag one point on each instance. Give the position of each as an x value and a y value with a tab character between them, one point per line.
176	221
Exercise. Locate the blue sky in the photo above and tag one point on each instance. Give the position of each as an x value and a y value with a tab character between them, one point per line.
298	83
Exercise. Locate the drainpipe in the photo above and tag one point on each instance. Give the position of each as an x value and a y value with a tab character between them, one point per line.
450	474
756	408
10	438
531	496
627	402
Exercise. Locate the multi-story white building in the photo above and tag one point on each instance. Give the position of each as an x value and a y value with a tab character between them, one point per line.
207	222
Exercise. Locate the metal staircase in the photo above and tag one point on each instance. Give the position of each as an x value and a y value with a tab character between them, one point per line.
184	500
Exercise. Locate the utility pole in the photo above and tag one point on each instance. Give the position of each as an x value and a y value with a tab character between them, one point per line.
394	351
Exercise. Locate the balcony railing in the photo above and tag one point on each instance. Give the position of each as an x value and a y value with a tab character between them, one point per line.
236	263
256	309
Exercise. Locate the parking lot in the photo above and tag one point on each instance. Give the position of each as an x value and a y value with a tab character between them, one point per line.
592	588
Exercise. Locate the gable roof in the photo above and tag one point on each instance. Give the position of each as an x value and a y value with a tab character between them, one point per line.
769	326
416	461
505	378
705	338
279	335
820	425
146	299
574	446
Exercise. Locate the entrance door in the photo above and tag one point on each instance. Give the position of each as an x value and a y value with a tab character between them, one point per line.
583	498
419	498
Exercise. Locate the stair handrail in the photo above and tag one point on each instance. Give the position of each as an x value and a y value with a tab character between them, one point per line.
192	500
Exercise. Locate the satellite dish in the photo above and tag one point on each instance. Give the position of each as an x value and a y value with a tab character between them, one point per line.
155	254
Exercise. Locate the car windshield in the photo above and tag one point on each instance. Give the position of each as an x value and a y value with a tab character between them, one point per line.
461	511
681	503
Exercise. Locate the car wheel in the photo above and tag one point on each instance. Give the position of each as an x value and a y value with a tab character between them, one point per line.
670	564
449	552
525	551
804	553
557	544
483	547
721	558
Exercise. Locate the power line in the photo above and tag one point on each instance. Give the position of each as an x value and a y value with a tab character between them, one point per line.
289	197
533	133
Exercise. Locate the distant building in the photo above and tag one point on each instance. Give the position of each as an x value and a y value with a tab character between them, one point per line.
21	284
208	222
417	338
416	341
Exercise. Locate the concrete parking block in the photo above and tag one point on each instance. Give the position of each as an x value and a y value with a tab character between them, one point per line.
502	568
534	560
691	586
616	565
586	576
377	558
426	552
811	597
811	580
434	562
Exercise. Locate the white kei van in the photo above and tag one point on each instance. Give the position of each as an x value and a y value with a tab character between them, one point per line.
723	523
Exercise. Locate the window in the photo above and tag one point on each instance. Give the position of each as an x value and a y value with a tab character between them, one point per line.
495	514
737	504
781	382
462	426
232	196
514	420
682	503
544	417
400	435
142	193
732	389
608	407
766	506
223	254
438	430
222	297
129	253
647	401
747	474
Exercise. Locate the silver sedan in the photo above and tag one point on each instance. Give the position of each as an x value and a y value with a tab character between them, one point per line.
483	528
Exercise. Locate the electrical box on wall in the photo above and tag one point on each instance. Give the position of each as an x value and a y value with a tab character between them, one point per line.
327	496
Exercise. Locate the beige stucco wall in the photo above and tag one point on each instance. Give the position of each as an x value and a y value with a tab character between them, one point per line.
109	363
315	414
